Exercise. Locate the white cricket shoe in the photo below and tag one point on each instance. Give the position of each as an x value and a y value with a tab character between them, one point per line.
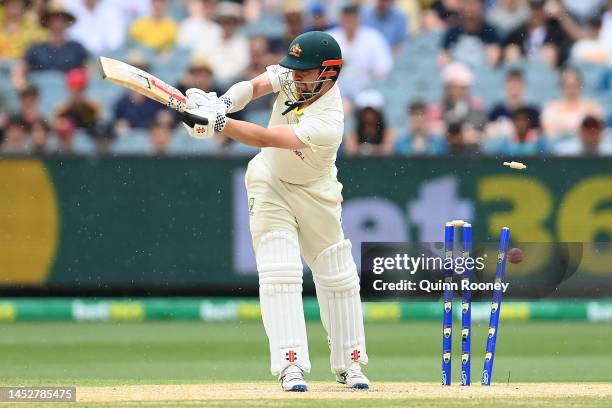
292	379
354	378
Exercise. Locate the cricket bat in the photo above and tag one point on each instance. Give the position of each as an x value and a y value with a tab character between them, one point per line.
148	85
142	82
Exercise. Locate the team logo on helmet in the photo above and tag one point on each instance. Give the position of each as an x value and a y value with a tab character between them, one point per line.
295	50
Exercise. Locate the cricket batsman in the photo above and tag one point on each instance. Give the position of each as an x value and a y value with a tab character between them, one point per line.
294	202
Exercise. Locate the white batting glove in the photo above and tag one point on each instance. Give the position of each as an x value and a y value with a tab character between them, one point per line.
202	123
197	98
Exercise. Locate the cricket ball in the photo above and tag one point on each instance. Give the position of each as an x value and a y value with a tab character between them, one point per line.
515	255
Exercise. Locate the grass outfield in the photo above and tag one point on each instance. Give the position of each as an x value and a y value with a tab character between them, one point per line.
175	353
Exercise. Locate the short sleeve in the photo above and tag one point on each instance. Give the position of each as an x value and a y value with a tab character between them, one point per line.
274	73
319	132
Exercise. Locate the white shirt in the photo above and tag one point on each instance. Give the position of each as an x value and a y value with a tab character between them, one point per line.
228	59
366	57
99	30
320	126
198	33
128	11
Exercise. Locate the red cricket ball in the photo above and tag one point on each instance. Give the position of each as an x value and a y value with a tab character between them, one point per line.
515	255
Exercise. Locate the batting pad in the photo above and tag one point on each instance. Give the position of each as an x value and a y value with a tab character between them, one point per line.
337	283
280	294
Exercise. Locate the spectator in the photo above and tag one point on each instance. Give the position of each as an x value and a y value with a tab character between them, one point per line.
385	17
199	75
563	117
456	142
57	53
366	54
229	54
14	137
96	26
372	135
418	140
457	105
196	26
160	135
39	133
84	112
65	130
525	139
29	111
318	17
103	144
592	48
158	31
591	142
293	26
128	11
508	15
35	10
441	15
166	117
133	110
472	39
540	38
17	32
294	22
501	114
260	59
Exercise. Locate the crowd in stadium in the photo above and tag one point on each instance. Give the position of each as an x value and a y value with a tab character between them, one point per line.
421	77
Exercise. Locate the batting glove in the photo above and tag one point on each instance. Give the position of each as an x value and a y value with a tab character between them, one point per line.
202	123
197	98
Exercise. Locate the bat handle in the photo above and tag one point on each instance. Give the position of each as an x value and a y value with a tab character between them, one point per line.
191	120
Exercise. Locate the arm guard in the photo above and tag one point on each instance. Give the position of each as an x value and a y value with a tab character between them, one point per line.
239	94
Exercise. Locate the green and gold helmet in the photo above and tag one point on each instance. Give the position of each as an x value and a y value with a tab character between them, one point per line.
311	50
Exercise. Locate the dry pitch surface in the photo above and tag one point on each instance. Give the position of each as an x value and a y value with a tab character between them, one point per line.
328	394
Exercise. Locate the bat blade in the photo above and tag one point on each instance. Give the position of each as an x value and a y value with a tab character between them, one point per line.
140	81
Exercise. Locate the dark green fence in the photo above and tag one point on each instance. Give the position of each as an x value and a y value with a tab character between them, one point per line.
172	225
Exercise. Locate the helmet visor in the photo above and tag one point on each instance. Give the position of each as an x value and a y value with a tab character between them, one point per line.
300	91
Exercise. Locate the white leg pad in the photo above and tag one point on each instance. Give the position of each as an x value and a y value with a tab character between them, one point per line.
337	283
280	294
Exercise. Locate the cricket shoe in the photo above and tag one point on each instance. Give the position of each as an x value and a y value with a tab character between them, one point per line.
292	379
354	378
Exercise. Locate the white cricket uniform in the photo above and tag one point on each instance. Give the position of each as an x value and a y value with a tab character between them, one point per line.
297	190
294	205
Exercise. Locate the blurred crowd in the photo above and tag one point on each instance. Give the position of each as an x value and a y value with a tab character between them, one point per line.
421	77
